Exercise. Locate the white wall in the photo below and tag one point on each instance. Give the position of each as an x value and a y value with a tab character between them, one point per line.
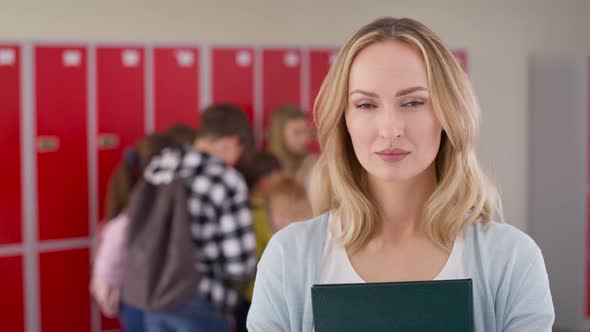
499	36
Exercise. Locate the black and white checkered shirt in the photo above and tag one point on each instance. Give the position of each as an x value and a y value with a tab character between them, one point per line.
221	220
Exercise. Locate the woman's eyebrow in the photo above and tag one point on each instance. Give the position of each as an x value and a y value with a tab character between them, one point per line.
398	94
410	90
366	93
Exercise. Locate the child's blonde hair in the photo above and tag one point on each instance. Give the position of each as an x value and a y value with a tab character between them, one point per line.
288	200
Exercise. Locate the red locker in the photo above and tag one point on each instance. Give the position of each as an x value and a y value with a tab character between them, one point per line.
61	111
64	296
176	83
232	77
10	194
320	61
120	114
281	80
461	56
11	288
121	108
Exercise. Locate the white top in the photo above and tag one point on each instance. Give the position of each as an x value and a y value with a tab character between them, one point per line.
337	268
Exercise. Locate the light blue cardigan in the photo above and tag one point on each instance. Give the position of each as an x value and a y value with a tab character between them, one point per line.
510	284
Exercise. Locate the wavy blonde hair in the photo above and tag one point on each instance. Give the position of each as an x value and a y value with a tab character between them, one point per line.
464	195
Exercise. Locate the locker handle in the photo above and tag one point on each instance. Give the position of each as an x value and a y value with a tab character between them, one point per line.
46	144
108	141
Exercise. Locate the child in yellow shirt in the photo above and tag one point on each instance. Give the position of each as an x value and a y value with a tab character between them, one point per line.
261	170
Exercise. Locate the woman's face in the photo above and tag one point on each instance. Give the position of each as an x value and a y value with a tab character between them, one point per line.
390	118
297	136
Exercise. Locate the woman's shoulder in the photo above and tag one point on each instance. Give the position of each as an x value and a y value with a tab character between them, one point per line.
300	246
500	259
500	250
500	237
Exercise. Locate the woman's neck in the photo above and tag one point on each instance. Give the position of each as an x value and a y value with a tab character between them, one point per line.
402	203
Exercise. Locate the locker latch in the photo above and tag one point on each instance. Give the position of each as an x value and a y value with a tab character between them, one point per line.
46	144
108	141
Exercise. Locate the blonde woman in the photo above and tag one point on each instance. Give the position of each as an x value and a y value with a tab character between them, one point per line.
400	192
290	136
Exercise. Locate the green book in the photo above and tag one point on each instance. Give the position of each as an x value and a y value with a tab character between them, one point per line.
445	305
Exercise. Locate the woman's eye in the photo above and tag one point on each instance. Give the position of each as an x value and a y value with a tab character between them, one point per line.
413	104
365	106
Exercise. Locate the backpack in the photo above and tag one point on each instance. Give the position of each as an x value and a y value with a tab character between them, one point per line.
160	270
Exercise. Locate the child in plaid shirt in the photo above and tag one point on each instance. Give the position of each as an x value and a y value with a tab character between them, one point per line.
220	219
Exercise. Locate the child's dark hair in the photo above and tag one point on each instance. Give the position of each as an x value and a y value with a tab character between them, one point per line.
256	166
222	120
129	170
180	134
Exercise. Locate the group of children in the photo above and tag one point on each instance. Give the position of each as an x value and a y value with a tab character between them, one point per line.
277	182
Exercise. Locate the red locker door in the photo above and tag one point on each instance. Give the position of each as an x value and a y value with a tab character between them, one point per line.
10	194
65	300
320	62
281	80
176	83
232	77
11	288
62	175
120	115
121	108
461	56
